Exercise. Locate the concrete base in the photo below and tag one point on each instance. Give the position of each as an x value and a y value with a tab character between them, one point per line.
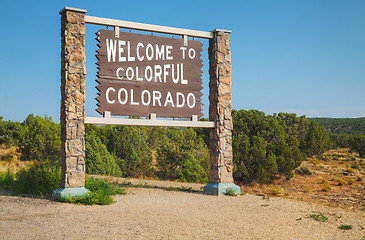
70	192
220	188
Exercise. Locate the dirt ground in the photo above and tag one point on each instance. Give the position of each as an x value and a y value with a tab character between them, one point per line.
167	210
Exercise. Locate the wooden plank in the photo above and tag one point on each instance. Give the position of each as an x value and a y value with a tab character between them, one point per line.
148	122
147	27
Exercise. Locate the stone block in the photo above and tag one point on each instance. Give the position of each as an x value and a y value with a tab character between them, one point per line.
76	179
220	188
73	17
61	193
75	147
77	55
80	130
71	163
76	69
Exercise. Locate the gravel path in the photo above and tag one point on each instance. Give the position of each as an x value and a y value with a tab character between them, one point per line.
154	213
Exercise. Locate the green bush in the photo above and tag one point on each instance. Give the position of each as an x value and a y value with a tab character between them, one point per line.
318	216
40	138
9	132
97	158
303	170
7	179
43	177
230	192
264	146
101	192
339	140
183	155
357	144
316	141
126	143
345	227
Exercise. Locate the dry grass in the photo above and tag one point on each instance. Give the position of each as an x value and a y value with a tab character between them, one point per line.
331	182
10	159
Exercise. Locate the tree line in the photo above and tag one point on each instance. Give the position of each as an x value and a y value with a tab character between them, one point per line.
352	126
264	146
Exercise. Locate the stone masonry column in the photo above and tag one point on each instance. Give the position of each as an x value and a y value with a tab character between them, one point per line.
72	114
221	156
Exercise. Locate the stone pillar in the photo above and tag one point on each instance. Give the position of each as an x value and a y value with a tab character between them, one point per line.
221	156
73	73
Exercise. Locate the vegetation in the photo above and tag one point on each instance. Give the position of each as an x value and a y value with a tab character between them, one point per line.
7	179
303	170
230	192
318	216
265	147
45	176
39	138
101	192
98	159
183	155
345	227
357	144
9	132
352	126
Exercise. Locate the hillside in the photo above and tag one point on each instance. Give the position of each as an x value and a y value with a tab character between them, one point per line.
336	179
342	125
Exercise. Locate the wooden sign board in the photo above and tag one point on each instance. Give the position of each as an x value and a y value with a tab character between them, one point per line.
141	74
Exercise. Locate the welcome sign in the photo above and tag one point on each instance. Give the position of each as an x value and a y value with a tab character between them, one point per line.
141	74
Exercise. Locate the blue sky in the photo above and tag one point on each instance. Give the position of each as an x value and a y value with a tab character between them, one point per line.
303	56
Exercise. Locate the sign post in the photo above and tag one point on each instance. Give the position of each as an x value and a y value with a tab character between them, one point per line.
72	115
143	75
221	155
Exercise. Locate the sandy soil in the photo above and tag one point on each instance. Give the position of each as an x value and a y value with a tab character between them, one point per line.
154	213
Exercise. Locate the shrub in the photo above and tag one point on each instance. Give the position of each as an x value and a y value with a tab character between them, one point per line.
340	181
42	177
9	132
350	181
264	146
230	192
275	192
306	189
314	161
355	165
182	155
98	160
303	170
345	227
325	187
101	192
126	143
7	179
357	144
316	141
318	216
40	138
45	176
349	170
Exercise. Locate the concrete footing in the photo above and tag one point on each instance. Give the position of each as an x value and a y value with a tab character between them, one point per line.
70	192
220	188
